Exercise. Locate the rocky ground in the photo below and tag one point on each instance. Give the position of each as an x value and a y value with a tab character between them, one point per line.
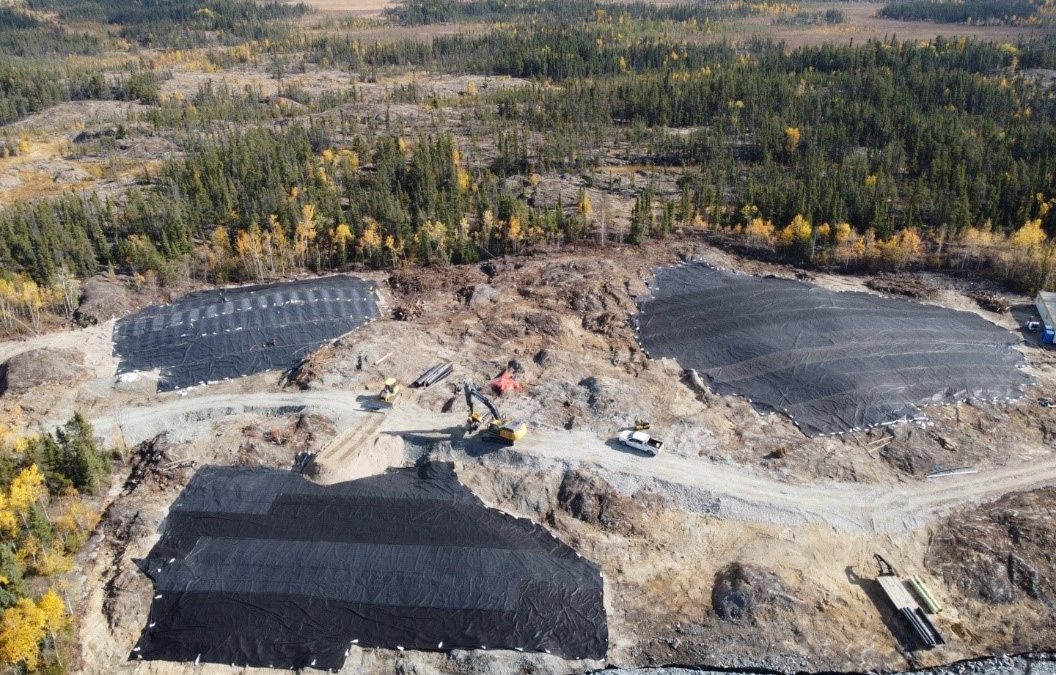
1028	664
747	545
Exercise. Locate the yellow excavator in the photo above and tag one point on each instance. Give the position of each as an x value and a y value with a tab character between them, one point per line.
390	391
498	428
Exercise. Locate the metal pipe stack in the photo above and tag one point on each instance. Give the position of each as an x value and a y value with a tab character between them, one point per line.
433	375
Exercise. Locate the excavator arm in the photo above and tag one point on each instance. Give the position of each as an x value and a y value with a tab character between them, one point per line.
472	393
498	427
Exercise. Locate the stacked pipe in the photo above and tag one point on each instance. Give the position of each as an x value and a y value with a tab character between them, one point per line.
433	375
925	630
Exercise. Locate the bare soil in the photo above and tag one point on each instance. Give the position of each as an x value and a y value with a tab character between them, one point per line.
998	560
364	7
743	509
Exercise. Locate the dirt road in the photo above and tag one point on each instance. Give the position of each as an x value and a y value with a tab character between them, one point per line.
727	491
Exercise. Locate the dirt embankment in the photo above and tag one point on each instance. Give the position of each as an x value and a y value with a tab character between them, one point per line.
999	561
39	367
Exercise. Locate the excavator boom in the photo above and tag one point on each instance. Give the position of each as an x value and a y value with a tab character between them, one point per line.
508	431
474	393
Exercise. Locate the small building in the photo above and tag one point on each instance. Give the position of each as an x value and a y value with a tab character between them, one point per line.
1046	303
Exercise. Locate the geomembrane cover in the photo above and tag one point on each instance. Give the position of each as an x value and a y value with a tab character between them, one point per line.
261	567
209	336
831	361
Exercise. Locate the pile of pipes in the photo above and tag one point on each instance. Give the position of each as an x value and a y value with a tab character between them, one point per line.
433	375
895	589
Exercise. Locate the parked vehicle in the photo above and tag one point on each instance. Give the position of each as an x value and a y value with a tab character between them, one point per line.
641	441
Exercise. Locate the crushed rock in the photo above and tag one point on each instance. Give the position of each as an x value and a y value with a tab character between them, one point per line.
1022	664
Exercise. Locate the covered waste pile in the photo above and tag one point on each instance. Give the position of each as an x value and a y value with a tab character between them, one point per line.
831	361
215	335
260	567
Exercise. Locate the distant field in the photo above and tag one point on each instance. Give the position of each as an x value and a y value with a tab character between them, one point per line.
861	24
349	6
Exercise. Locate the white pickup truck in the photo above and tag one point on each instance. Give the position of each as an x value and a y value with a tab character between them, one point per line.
641	441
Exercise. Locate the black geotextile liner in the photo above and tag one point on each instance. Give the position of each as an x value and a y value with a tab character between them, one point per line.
261	567
209	336
832	361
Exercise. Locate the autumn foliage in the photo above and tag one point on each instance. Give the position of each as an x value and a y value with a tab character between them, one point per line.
44	520
1025	258
26	625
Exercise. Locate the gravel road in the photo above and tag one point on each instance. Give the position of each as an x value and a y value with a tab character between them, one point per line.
729	491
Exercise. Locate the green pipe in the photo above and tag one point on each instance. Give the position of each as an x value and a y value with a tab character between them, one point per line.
925	595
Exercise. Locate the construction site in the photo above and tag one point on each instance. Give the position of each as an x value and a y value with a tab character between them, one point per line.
657	455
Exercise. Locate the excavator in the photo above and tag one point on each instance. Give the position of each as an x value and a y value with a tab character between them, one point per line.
498	428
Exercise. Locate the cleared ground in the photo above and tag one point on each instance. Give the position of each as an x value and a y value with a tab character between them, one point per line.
723	490
366	7
733	488
862	23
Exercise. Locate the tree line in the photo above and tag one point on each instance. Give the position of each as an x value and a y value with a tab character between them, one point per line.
962	11
1025	257
29	86
266	202
38	64
25	35
44	521
177	24
425	12
887	137
830	17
